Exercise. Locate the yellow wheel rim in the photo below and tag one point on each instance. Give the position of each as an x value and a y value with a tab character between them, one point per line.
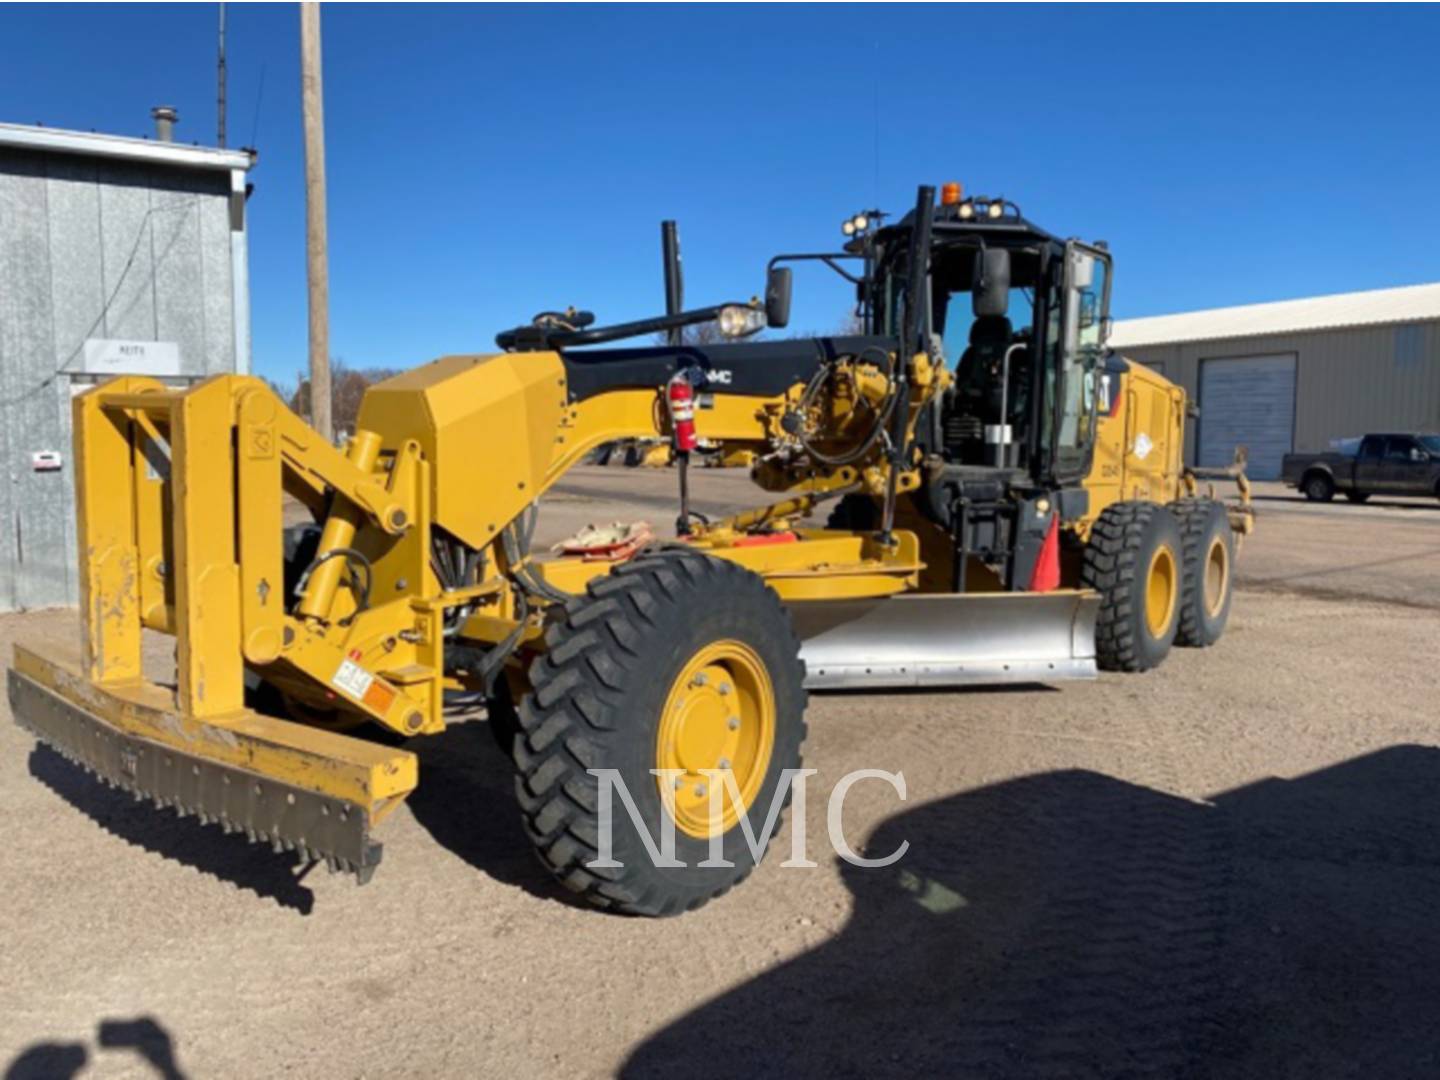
1161	590
1217	576
719	715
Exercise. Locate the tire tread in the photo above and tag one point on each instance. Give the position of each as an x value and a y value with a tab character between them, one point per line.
578	685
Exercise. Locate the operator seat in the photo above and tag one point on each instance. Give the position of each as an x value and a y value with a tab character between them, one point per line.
979	395
979	366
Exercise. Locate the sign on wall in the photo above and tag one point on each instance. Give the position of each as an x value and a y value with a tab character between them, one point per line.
111	356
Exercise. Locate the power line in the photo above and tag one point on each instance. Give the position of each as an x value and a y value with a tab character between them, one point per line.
255	119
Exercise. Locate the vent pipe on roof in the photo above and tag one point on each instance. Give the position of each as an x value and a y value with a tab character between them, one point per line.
165	120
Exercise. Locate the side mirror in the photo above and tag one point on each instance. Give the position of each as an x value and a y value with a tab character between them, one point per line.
778	283
992	282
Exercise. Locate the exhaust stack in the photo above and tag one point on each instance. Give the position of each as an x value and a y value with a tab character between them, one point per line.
165	120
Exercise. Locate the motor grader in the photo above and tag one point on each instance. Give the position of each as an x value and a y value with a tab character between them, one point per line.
1007	503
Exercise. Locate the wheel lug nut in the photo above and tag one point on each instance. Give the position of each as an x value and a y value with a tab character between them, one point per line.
700	680
699	789
724	688
733	723
724	763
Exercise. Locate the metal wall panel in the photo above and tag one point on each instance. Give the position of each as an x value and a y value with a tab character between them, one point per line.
92	249
217	297
39	561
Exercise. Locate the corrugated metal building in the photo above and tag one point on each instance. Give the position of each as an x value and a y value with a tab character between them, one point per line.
117	256
1296	374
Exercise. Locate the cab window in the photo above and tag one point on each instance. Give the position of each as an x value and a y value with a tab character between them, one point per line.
1087	274
1398	449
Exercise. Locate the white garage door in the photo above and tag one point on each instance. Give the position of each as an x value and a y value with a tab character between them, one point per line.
1247	401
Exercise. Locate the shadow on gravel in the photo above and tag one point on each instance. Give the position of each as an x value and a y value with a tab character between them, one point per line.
1069	924
466	802
206	848
144	1038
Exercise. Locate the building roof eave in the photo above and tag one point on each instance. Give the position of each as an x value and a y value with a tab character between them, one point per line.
120	147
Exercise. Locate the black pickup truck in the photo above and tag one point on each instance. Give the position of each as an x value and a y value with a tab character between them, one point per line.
1379	465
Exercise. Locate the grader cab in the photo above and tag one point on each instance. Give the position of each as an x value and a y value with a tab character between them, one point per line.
1009	504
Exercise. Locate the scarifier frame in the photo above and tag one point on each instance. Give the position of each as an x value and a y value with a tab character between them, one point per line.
179	511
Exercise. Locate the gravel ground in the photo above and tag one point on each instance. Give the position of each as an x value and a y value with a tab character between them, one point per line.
1226	867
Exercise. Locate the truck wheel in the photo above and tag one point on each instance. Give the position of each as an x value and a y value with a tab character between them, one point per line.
1134	560
1209	565
1319	488
676	662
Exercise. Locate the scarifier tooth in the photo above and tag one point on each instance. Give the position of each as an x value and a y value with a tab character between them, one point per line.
250	835
331	863
277	845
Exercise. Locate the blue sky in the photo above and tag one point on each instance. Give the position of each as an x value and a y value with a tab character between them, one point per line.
488	162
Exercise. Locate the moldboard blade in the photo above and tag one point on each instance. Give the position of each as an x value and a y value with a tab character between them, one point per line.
964	639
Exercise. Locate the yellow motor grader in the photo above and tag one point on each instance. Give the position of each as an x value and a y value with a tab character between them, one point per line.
1008	504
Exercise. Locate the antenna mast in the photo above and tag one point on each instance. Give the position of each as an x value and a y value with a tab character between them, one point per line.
220	79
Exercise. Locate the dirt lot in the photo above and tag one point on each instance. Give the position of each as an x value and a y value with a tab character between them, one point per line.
1228	867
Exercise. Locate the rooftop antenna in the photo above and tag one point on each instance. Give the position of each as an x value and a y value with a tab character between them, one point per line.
220	89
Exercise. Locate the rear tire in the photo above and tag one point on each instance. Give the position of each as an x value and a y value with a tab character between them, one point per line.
1209	571
1318	487
642	673
1134	560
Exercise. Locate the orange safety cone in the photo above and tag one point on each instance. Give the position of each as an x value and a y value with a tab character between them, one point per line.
1046	575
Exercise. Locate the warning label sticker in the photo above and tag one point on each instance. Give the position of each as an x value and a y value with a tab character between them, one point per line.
352	679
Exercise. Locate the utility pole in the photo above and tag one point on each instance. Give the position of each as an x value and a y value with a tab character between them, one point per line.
220	86
316	259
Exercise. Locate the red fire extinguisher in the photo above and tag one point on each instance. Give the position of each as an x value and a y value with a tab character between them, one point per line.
680	397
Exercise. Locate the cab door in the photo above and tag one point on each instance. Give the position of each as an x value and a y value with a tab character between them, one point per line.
1073	385
1407	466
1370	464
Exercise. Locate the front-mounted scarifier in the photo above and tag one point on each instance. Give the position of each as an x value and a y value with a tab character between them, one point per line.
179	506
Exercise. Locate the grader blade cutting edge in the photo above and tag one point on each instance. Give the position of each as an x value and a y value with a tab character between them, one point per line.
294	788
947	640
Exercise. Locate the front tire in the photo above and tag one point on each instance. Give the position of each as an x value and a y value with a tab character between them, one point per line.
1134	561
673	661
1319	487
1209	571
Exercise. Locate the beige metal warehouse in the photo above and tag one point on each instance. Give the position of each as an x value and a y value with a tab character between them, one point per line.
1296	374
